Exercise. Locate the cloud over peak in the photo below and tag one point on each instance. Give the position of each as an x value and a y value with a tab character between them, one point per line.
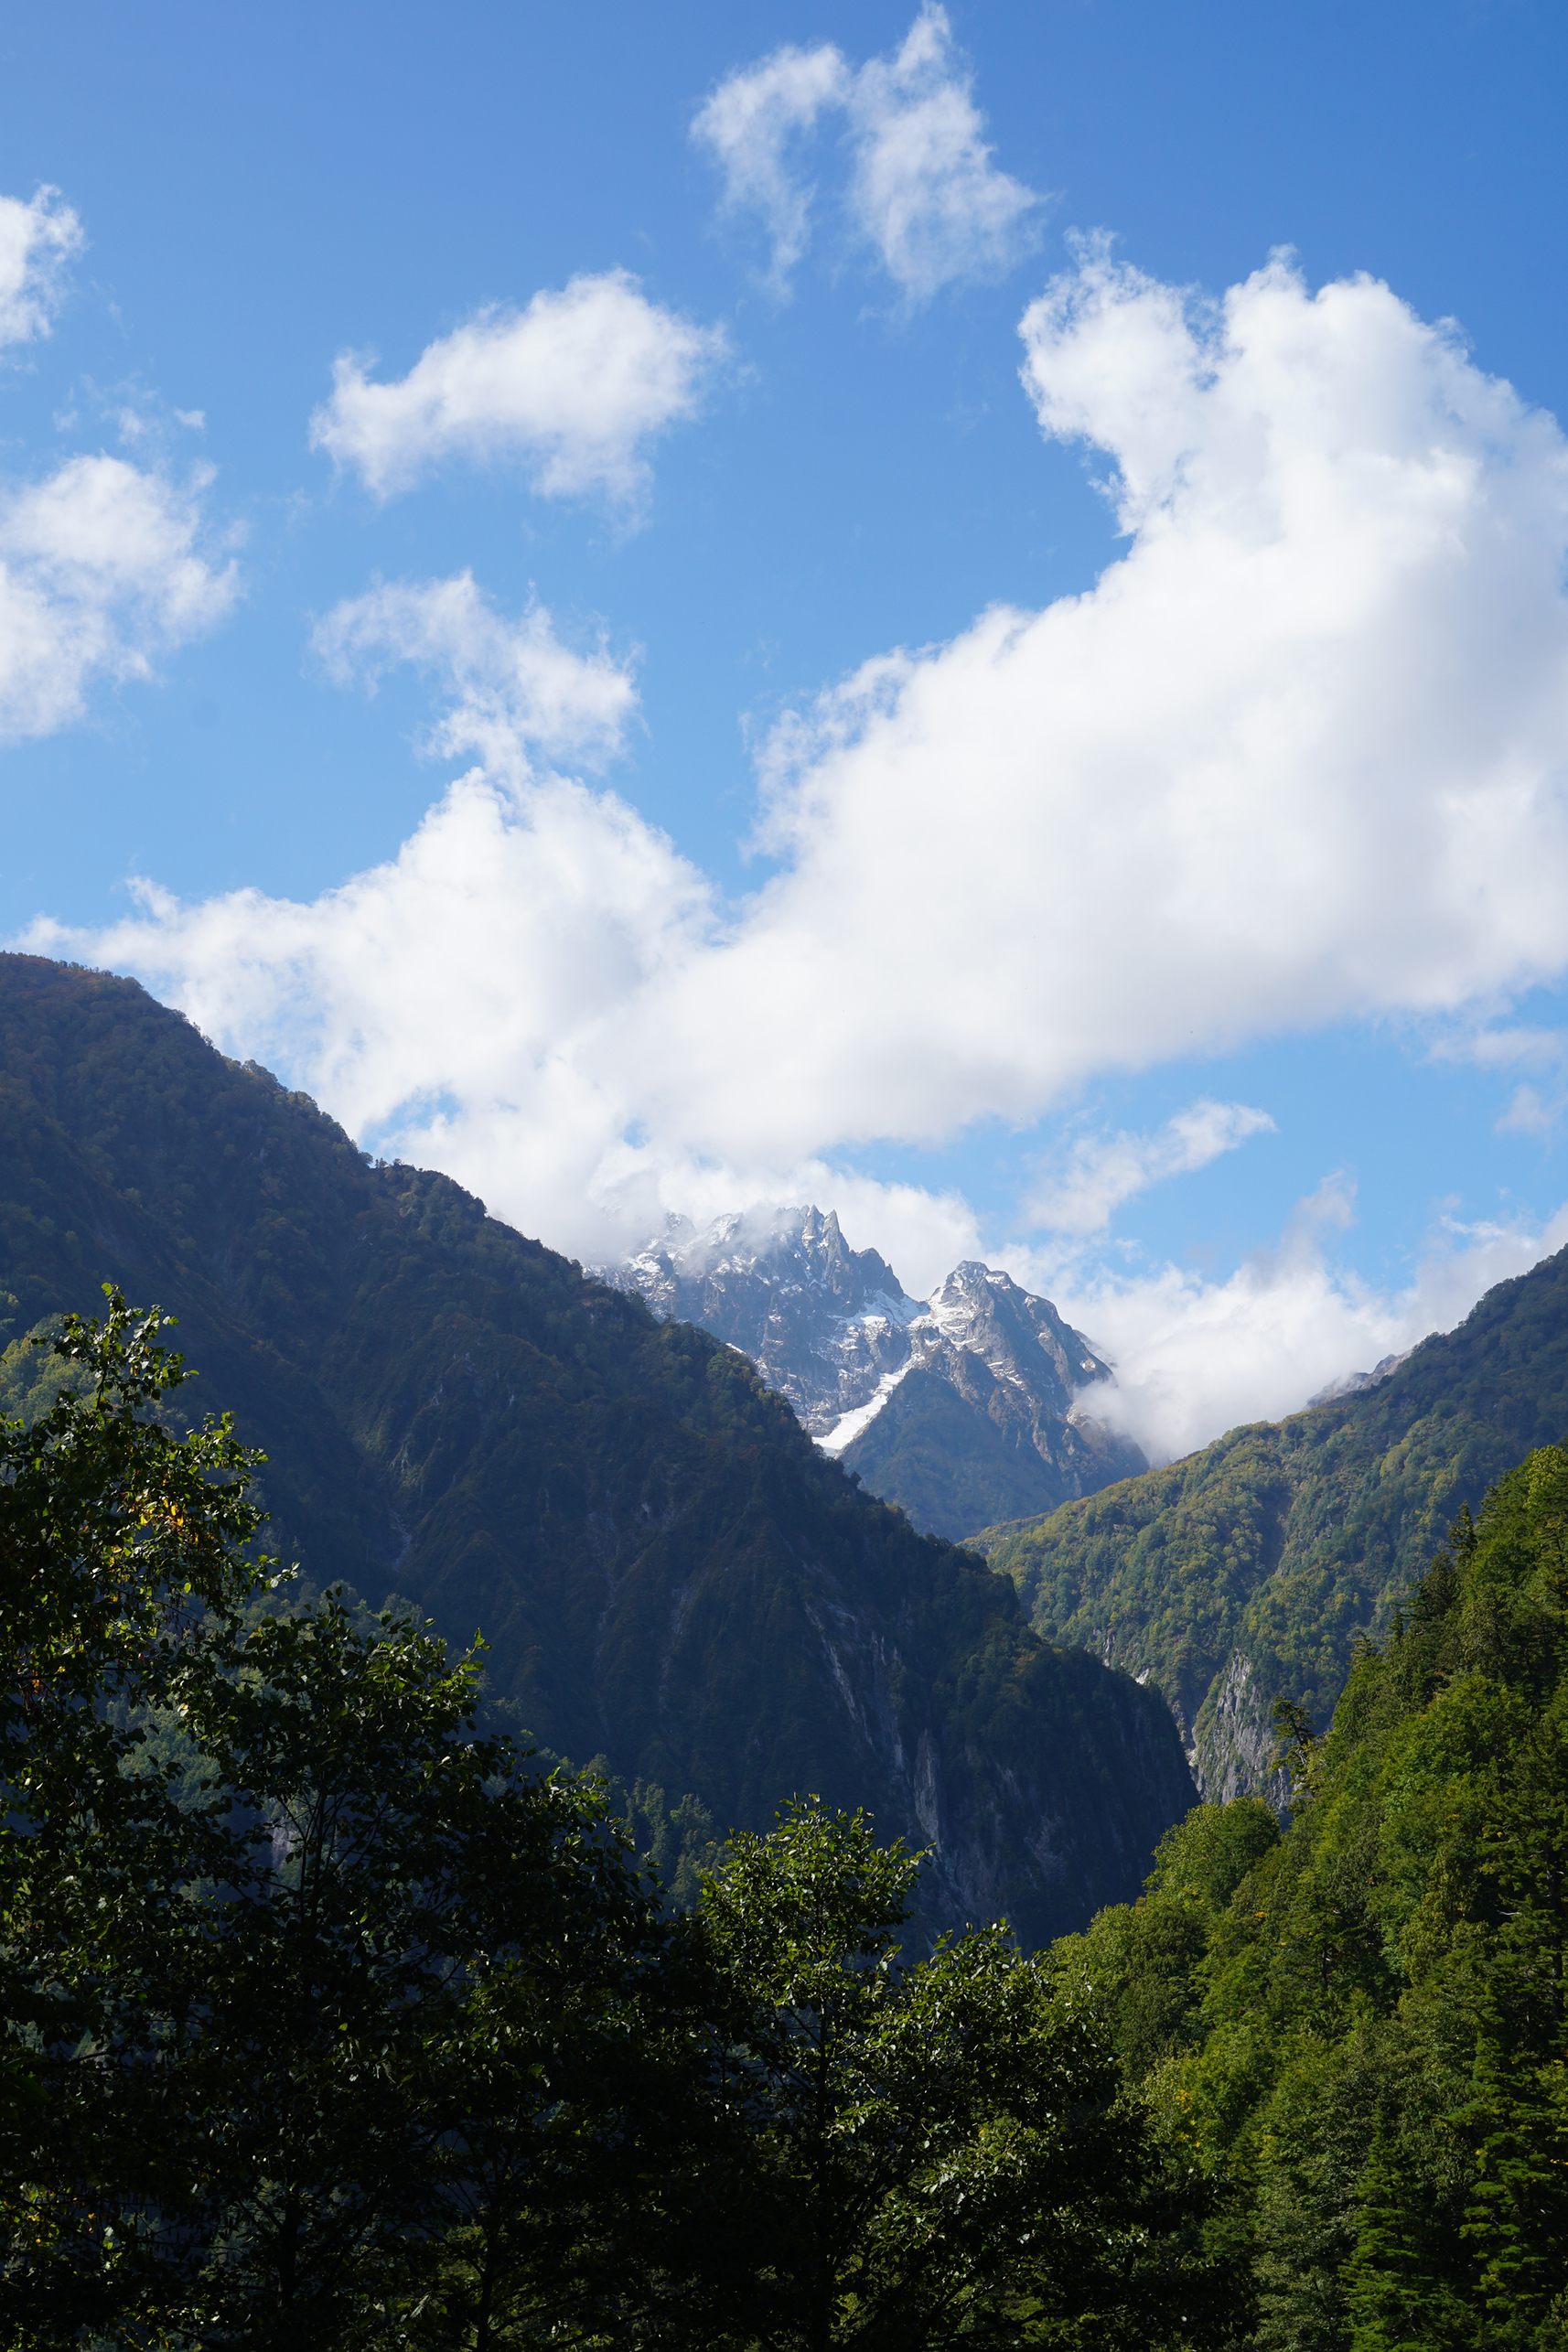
923	192
572	387
1194	1358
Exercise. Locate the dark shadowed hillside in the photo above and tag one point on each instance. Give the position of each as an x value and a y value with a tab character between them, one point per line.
1248	1571
666	1570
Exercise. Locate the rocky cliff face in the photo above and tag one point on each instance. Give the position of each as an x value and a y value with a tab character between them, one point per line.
1234	1741
825	1325
970	1407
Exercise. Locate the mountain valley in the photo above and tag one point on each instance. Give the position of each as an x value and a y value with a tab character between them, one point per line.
671	1576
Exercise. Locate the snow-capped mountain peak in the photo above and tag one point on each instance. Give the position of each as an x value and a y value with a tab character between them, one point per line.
832	1327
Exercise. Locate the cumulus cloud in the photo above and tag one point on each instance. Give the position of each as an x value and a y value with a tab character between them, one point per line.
1298	756
452	1004
104	568
510	689
1105	1172
36	241
923	191
572	387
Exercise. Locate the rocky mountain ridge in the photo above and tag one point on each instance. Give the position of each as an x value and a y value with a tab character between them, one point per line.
1355	1384
825	1325
972	1406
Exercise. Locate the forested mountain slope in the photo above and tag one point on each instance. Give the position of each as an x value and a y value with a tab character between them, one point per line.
666	1570
1358	2027
1247	1570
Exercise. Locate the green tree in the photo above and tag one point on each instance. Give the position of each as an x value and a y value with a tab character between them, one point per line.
119	1541
939	2154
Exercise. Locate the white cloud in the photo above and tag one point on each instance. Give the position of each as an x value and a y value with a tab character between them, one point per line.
1103	1172
103	567
572	387
1297	757
1531	1109
1508	1048
752	126
1127	364
453	1003
1529	1112
36	241
509	687
1194	1358
923	191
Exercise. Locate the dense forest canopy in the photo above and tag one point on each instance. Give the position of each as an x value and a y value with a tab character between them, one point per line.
334	2018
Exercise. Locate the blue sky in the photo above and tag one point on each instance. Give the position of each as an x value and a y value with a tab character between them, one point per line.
1319	1108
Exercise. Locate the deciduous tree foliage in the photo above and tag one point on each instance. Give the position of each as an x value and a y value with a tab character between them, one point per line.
333	2020
321	2006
